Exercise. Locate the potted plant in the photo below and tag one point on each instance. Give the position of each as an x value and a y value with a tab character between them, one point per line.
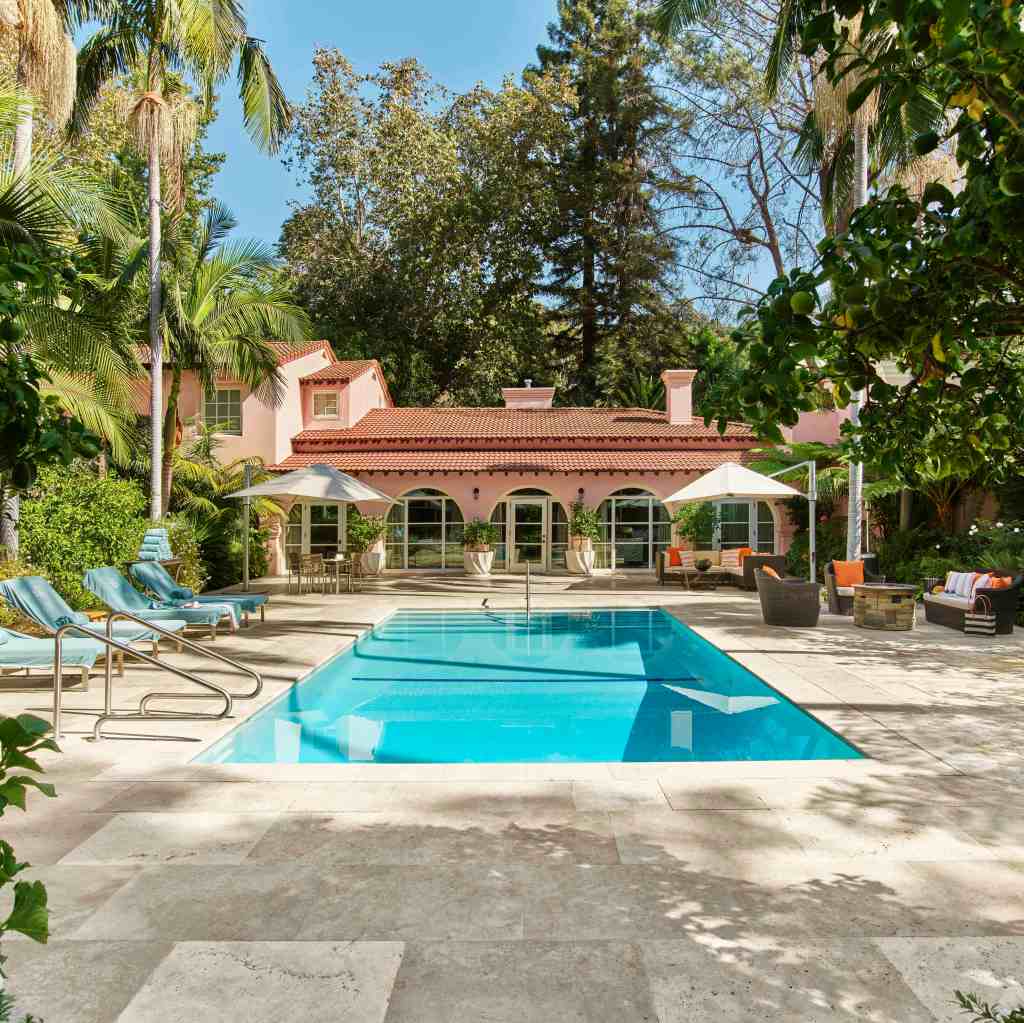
479	538
365	539
695	523
584	529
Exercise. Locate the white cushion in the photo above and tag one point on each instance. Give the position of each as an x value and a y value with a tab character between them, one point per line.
844	591
950	600
965	584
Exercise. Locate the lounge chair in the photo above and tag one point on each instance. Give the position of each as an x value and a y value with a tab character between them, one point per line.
791	602
35	598
21	652
153	577
119	595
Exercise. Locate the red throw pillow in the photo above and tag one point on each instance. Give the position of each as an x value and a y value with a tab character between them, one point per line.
848	573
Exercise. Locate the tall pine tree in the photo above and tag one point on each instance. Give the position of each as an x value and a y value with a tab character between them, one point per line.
609	263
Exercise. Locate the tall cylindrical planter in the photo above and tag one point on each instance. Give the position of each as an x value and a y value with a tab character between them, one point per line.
478	562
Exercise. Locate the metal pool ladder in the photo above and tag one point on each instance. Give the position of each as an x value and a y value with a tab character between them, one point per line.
527	590
214	691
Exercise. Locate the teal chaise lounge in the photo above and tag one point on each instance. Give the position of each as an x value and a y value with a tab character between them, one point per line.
21	652
152	576
119	595
35	598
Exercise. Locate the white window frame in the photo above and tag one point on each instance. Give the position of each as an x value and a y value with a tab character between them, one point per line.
336	395
753	524
217	402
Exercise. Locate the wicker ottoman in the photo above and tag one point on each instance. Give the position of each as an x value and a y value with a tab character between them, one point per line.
890	607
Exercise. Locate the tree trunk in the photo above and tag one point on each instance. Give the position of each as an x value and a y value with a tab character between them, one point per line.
170	433
156	342
854	515
906	509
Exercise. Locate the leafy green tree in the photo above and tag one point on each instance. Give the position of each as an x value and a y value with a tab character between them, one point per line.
609	260
155	39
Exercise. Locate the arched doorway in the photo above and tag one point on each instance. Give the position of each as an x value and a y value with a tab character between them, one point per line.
533	529
424	532
635	528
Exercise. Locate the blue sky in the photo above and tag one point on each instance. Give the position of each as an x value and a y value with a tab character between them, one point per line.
460	42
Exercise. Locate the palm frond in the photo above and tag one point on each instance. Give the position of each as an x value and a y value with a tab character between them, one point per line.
265	108
113	52
671	16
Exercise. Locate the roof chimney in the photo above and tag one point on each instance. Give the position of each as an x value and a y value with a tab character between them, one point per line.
528	396
679	395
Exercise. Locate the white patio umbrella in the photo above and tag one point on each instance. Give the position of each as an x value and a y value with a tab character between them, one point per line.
320	483
732	480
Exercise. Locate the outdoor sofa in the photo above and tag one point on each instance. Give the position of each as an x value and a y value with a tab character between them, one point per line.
741	573
790	602
840	598
948	609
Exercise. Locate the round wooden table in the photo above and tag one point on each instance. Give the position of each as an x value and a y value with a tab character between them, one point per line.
891	607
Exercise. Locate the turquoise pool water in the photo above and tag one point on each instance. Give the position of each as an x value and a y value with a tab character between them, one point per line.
564	686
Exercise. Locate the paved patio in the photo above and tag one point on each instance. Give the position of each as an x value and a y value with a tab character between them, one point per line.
853	890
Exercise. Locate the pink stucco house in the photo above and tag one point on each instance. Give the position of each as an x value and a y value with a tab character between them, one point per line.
521	465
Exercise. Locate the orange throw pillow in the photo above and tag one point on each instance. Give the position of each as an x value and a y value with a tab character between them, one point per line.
768	570
744	551
999	582
848	573
674	560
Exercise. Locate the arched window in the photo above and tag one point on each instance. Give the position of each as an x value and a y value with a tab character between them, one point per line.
635	528
424	531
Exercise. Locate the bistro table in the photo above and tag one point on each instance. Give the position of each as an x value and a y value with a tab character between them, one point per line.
338	566
890	607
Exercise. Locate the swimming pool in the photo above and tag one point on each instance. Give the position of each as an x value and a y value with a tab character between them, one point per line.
572	686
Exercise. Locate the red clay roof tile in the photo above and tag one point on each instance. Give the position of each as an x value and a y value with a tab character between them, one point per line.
340	372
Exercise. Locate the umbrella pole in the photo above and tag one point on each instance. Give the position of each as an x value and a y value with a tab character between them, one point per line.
246	508
812	508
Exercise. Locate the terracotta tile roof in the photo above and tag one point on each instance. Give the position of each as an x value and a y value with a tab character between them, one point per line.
605	427
515	461
287	351
340	372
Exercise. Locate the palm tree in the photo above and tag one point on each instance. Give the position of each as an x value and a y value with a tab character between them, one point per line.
217	317
153	40
640	390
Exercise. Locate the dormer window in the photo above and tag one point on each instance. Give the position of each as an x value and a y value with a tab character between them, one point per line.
325	404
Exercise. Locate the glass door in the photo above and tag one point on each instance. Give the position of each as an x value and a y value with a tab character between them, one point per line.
529	534
315	529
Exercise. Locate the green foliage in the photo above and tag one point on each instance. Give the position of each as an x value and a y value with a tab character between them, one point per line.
363	531
932	284
696	523
223	550
479	533
585	522
20	738
76	520
984	1012
830	545
186	544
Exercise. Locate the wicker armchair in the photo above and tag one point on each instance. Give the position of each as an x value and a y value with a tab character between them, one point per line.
842	603
753	562
790	602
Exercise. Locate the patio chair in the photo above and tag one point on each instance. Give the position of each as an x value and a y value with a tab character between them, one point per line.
788	602
36	599
157	580
19	652
840	598
119	595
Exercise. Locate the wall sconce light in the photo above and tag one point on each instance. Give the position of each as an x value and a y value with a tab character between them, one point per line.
581	492
476	493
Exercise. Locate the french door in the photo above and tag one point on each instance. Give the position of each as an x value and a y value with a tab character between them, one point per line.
315	529
528	526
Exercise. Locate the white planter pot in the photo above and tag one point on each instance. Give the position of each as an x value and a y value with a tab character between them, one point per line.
580	562
372	562
478	562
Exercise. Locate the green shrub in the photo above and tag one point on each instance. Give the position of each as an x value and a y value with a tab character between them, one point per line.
830	545
585	522
983	1012
224	552
480	533
76	520
696	523
186	545
363	531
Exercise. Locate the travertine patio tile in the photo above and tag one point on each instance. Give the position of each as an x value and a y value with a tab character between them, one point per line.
992	968
708	795
772	981
616	795
152	838
206	903
269	982
43	839
521	982
424	838
79	981
203	797
436	903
